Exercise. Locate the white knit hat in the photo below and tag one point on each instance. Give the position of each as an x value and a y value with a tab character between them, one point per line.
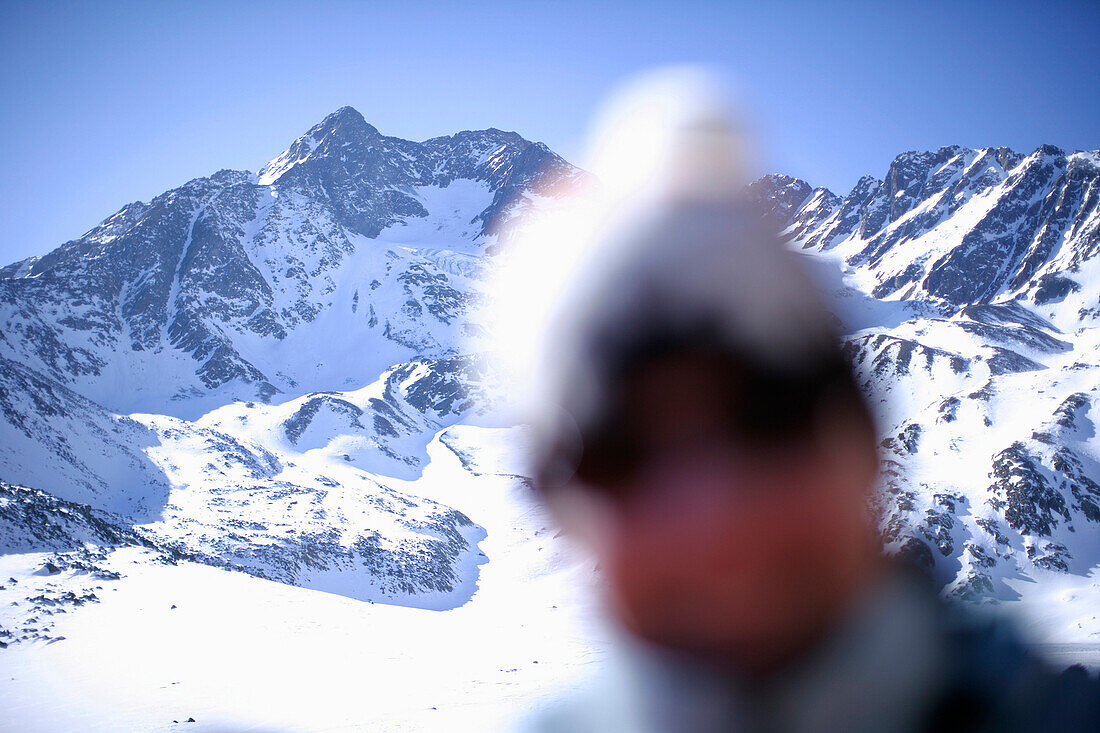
675	252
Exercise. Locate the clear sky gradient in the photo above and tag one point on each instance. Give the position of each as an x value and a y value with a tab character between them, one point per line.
107	103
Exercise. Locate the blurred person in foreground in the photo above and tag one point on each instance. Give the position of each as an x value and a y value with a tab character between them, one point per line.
699	431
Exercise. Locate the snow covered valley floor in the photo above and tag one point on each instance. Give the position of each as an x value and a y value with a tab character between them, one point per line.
164	643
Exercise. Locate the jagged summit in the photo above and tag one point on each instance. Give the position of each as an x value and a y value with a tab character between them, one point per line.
372	178
955	225
347	112
342	128
346	123
912	162
488	134
345	135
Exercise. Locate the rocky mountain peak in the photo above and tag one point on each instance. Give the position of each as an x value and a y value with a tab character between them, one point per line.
778	196
345	125
1049	150
957	225
333	136
478	138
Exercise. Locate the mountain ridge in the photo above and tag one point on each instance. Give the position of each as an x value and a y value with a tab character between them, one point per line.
923	189
223	257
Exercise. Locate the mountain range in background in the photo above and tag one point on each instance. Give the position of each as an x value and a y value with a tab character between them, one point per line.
251	371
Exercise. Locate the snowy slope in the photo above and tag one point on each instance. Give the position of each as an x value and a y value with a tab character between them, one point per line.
969	285
166	643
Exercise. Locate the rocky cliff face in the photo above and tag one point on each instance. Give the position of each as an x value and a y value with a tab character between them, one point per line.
971	298
957	226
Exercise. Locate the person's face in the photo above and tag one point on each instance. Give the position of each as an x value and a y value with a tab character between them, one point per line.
718	547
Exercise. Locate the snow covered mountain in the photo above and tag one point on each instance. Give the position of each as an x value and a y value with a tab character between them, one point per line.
971	295
223	287
258	371
176	366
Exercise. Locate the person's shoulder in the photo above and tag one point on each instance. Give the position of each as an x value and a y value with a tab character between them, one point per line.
994	681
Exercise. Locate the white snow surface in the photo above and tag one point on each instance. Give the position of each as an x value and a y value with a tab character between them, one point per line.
167	643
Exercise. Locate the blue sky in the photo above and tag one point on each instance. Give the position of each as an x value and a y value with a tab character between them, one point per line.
107	103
